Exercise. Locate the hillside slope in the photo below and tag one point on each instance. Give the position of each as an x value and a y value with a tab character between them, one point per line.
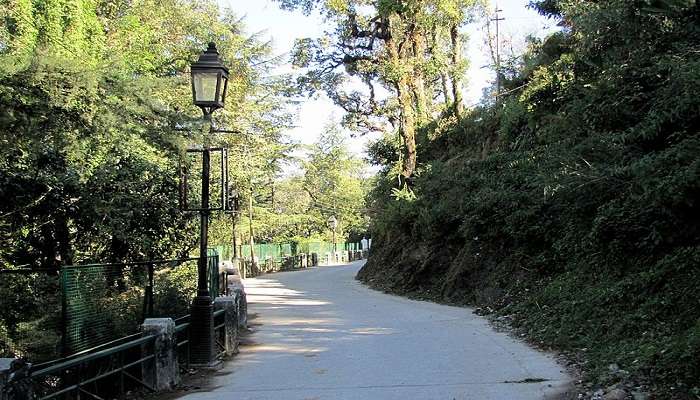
572	206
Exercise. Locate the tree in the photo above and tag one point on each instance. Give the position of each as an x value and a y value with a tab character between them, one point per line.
95	111
335	182
409	49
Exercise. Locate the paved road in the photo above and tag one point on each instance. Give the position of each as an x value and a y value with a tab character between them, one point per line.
319	334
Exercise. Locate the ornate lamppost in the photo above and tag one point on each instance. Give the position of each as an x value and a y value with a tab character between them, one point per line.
209	84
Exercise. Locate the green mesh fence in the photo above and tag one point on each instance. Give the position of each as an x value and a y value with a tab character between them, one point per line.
225	252
277	252
103	302
320	247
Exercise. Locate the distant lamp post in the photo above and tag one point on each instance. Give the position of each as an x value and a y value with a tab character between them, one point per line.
209	83
333	224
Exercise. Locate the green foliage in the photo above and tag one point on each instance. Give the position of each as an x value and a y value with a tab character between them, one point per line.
95	112
90	94
294	207
335	182
174	290
404	52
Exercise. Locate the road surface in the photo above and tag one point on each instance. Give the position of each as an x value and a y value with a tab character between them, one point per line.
320	334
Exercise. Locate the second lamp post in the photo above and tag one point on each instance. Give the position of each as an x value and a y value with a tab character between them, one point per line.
209	84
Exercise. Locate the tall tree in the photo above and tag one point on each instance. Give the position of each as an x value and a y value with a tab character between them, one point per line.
90	96
335	182
400	48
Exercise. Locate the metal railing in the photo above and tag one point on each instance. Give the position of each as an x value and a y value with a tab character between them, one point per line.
182	336
80	374
85	373
220	332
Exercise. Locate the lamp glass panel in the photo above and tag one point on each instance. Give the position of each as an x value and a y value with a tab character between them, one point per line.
205	86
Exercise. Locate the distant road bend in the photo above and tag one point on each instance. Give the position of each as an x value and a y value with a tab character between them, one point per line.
320	334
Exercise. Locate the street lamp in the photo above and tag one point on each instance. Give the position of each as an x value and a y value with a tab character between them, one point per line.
333	224
209	83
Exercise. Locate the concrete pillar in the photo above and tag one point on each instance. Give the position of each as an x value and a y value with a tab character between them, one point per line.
12	383
162	372
242	308
235	267
228	304
5	371
236	289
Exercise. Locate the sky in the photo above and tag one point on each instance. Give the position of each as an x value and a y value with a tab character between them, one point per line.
263	17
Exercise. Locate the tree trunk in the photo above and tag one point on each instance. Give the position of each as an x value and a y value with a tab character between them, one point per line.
456	71
119	249
48	251
436	53
418	84
63	238
407	126
445	90
253	266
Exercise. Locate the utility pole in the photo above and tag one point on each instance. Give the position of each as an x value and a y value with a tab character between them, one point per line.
233	233
335	246
498	54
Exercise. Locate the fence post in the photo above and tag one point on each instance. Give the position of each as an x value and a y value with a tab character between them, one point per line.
161	372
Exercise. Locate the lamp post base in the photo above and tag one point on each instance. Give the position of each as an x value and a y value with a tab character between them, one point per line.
202	352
